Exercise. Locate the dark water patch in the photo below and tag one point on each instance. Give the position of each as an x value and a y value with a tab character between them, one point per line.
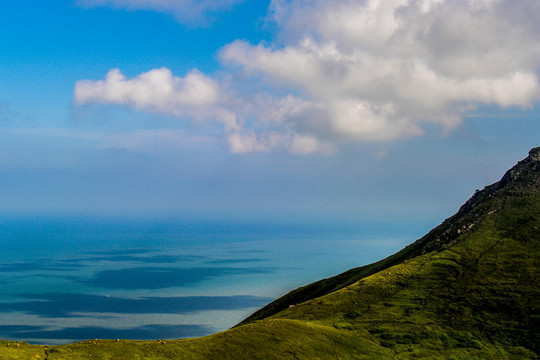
164	277
250	251
7	330
65	305
154	259
37	266
137	253
17	332
119	252
234	261
147	332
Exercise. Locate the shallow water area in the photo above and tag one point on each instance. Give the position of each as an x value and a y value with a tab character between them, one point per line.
64	279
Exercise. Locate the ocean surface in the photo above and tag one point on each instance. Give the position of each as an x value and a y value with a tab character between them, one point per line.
69	279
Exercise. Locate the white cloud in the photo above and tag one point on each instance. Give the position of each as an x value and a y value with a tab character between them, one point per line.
190	12
155	90
249	141
349	70
309	144
378	69
194	96
197	96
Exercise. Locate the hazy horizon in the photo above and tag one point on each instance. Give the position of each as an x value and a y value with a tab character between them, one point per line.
263	110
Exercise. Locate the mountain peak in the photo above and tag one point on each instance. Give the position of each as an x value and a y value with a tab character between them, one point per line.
527	171
535	153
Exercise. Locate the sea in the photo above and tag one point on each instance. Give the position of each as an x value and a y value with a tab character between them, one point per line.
66	279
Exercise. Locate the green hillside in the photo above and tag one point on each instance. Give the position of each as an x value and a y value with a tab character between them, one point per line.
469	289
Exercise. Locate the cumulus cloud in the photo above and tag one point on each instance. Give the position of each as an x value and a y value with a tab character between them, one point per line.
377	70
248	141
155	90
190	12
197	96
349	70
194	96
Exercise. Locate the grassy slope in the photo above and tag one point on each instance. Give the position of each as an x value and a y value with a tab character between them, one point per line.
13	350
477	296
522	179
480	298
437	239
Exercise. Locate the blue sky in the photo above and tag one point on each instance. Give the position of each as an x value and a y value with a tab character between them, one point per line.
284	110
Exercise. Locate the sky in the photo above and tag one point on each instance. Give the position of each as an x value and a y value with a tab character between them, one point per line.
248	110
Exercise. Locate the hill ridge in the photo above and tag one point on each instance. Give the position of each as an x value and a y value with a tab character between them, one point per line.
522	176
